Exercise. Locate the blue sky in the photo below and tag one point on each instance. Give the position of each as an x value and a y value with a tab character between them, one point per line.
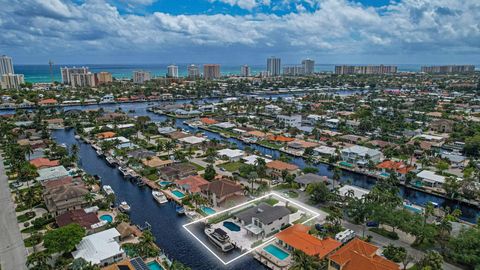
240	31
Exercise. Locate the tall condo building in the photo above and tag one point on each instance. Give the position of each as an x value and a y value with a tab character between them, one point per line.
193	72
294	71
103	77
172	71
308	66
68	72
211	71
274	66
381	69
448	69
245	71
8	78
6	65
140	76
82	80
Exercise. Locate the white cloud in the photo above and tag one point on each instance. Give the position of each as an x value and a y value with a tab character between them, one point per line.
335	27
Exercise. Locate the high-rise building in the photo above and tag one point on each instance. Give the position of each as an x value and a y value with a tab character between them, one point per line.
381	69
193	72
308	66
211	71
103	77
172	71
245	71
294	71
448	69
6	65
274	66
8	78
140	76
67	73
82	80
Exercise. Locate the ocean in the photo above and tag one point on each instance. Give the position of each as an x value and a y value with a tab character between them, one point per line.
41	73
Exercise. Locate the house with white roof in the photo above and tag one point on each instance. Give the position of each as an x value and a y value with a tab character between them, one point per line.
353	191
430	178
323	150
360	155
100	248
252	159
332	123
231	154
51	173
192	140
290	120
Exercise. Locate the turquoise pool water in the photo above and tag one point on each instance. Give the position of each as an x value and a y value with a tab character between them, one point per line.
384	174
107	218
164	183
275	251
413	209
178	194
231	226
207	210
154	266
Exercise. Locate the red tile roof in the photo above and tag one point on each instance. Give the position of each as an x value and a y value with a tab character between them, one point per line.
77	216
279	138
192	183
280	165
222	187
396	166
44	163
297	237
208	121
360	255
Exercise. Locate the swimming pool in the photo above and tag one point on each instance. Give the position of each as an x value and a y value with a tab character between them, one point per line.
385	174
277	252
106	218
231	226
207	210
154	265
164	183
178	194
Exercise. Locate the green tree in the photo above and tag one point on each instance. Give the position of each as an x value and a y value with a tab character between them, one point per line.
431	261
393	253
442	166
63	239
302	261
319	192
210	173
464	248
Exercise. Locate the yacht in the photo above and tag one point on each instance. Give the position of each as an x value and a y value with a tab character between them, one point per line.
77	137
159	196
219	238
180	210
124	207
108	189
107	99
111	161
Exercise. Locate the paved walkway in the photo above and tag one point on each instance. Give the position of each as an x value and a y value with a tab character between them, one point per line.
12	250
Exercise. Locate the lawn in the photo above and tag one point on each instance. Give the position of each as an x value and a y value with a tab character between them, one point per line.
270	144
231	166
197	167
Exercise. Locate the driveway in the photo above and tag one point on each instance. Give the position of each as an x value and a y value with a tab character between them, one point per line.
12	250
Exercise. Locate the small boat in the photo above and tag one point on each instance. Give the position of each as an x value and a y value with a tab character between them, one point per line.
219	238
99	153
140	182
111	161
159	196
124	207
180	210
108	189
77	137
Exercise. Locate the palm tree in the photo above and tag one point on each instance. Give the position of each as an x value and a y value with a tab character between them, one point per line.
89	198
39	260
302	261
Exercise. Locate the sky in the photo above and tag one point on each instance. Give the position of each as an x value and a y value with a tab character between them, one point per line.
240	31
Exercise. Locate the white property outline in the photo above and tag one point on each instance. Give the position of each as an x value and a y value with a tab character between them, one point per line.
267	241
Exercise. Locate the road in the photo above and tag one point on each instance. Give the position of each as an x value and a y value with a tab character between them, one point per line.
12	250
204	164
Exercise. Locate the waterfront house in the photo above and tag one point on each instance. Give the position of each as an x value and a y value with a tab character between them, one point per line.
297	237
272	109
300	145
208	121
230	154
156	162
192	140
42	163
324	151
191	184
51	173
430	179
290	120
309	178
220	191
263	219
276	167
352	191
166	130
64	197
359	255
360	155
398	167
252	159
100	248
140	154
78	216
177	171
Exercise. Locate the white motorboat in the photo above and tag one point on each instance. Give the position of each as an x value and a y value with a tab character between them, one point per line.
159	196
124	207
108	189
111	160
219	238
77	137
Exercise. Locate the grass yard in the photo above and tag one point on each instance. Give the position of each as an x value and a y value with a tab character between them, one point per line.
270	144
231	166
197	167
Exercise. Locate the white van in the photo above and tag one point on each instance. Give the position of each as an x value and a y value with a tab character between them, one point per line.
345	236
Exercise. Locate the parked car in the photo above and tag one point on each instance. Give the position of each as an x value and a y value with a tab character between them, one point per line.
372	224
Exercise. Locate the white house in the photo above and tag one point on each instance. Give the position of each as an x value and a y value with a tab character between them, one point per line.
192	140
263	220
100	248
272	109
314	118
356	192
291	121
332	123
324	151
252	159
231	154
430	178
360	155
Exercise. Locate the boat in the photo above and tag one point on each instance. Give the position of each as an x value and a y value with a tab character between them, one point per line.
99	152
180	210
124	207
140	182
77	137
159	196
108	189
111	161
219	238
